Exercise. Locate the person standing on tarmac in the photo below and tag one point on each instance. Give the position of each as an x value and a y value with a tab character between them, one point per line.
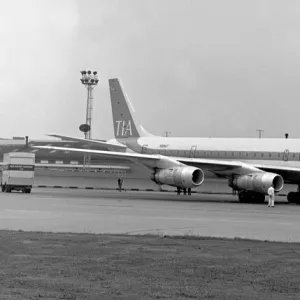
271	194
120	181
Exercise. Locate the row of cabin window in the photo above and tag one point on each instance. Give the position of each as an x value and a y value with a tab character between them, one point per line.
223	153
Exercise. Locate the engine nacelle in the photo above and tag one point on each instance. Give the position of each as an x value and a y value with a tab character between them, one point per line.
183	177
258	182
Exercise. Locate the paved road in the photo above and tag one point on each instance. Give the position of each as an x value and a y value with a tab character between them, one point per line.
137	213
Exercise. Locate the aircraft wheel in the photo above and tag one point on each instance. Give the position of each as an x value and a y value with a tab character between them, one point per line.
296	198
259	198
251	197
243	197
293	197
290	197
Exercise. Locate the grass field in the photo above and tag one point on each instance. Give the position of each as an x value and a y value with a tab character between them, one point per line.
86	266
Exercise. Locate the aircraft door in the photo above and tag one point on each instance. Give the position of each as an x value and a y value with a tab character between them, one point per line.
286	155
162	151
193	151
144	149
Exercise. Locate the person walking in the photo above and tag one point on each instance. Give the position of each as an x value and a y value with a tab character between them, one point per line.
120	181
271	194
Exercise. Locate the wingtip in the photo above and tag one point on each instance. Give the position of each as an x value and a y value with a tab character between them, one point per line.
54	135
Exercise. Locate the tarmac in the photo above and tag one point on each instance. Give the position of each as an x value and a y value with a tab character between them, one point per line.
135	182
95	211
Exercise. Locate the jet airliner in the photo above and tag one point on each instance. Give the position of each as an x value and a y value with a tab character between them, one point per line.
251	165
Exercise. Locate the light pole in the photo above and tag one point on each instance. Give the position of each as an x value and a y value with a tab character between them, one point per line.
259	132
167	133
89	79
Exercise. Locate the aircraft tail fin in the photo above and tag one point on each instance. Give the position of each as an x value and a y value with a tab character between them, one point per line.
123	113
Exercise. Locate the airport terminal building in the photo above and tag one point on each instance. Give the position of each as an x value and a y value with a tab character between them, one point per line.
44	156
65	163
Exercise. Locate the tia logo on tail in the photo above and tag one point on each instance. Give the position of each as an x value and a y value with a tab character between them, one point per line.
123	129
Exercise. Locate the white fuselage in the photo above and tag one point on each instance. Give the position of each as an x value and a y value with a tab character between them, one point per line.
279	152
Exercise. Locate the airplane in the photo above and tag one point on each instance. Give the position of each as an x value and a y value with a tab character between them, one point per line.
251	165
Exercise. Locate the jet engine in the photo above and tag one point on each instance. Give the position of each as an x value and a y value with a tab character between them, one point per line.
183	177
258	182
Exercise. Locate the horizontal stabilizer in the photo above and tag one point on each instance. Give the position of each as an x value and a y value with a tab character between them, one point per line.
105	145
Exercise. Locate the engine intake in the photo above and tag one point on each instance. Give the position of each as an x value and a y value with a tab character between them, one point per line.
258	182
183	177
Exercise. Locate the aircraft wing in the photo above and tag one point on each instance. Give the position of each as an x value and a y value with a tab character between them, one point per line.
289	174
105	145
229	168
129	156
219	167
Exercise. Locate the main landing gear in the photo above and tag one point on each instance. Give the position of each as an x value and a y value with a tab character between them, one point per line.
189	191
294	197
251	197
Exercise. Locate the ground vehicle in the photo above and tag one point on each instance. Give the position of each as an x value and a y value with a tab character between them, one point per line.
17	172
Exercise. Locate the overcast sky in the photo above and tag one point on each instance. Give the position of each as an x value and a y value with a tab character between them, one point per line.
195	68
